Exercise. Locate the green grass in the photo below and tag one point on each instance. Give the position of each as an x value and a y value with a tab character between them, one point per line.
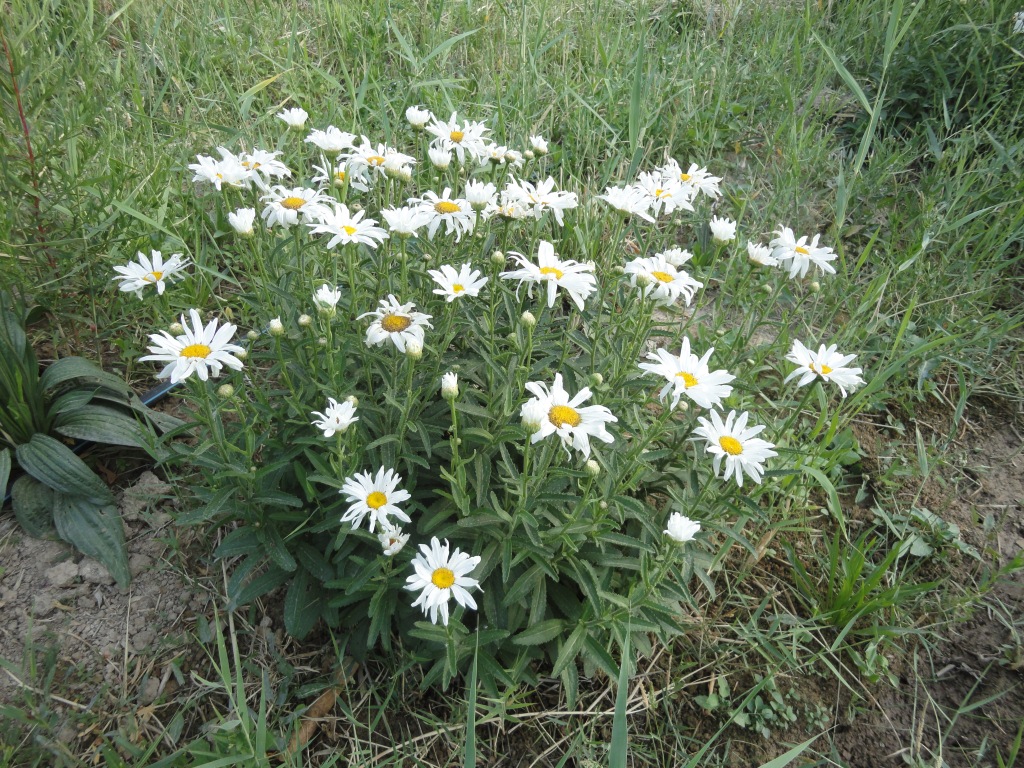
908	157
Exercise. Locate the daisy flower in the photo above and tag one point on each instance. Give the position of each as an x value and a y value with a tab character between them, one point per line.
327	298
441	576
241	220
392	540
150	270
439	157
761	254
664	283
336	418
826	363
417	117
265	165
376	497
347	228
295	117
696	178
340	174
800	254
676	256
404	222
564	417
627	200
332	141
480	195
539	145
465	138
681	529
574	277
198	349
493	154
689	375
285	206
397	322
455	213
450	385
732	441
722	230
466	282
228	171
664	195
540	198
381	157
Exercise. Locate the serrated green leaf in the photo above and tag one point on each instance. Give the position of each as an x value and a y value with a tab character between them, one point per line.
539	633
33	506
570	649
94	529
53	463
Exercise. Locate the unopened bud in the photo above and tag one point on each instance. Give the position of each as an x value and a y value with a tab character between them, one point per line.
498	259
352	400
596	379
176	328
528	319
602	505
592	467
528	154
252	335
413	350
449	386
815	286
225	391
276	327
305	321
643	279
322	341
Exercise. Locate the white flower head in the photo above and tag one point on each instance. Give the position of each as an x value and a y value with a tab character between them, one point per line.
242	220
563	416
761	254
295	117
340	174
327	298
676	256
392	540
539	145
827	363
439	157
337	418
722	230
228	171
539	198
464	138
696	178
662	282
346	227
576	279
480	194
731	441
396	322
455	213
202	350
377	497
331	141
800	254
418	117
681	529
450	385
664	196
688	375
440	576
629	201
150	270
287	206
453	285
264	166
405	222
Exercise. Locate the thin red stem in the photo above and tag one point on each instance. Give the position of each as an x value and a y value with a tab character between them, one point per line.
28	142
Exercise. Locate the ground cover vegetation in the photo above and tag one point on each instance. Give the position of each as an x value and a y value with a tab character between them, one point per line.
520	360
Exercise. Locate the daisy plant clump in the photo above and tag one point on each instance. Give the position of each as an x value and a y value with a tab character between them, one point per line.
456	399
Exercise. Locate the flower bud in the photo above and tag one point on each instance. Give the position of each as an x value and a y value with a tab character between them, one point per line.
276	327
242	354
602	505
252	335
450	386
176	328
528	319
498	259
596	379
413	350
322	341
815	286
533	414
305	321
225	391
643	279
528	154
592	467
352	400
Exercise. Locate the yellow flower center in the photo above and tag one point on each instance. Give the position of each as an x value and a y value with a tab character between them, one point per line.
800	249
552	271
662	193
560	415
293	203
456	136
731	445
825	370
664	277
442	578
458	288
196	351
691	381
375	160
395	323
684	177
153	277
376	500
349	230
251	166
339	175
445	206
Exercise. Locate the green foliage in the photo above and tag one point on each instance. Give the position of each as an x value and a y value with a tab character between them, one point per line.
71	399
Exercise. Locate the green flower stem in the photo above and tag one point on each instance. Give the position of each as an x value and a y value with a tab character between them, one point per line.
407	404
